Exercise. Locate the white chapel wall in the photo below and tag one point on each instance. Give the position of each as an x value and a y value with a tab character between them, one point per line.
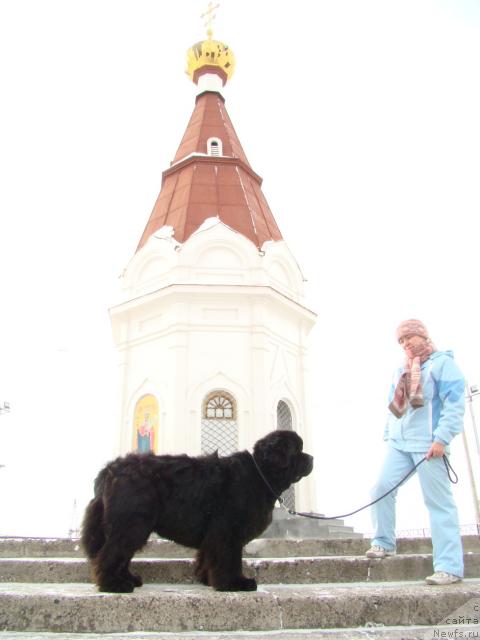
213	313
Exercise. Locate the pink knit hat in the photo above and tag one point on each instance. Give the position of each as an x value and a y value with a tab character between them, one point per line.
409	327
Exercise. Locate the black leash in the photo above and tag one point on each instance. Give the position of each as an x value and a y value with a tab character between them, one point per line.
317	516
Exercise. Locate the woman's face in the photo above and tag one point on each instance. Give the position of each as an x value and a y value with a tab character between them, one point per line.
412	344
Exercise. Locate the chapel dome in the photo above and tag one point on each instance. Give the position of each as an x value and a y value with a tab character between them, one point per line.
208	55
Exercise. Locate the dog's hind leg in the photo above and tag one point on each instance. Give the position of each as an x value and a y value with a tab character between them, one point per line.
111	566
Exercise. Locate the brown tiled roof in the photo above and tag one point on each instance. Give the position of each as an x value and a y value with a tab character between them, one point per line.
198	186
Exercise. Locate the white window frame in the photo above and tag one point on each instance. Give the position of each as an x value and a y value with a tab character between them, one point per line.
214	144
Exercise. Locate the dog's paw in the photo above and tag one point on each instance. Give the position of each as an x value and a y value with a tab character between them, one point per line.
124	586
248	584
240	584
136	579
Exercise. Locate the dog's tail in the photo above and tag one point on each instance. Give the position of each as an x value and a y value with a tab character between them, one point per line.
92	537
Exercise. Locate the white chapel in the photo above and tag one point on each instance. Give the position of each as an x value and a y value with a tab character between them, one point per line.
212	327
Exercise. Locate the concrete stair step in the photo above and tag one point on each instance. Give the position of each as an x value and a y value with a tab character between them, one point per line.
262	547
424	632
79	608
288	526
266	571
308	588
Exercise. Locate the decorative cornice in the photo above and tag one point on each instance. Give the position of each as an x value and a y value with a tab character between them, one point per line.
194	158
203	93
195	288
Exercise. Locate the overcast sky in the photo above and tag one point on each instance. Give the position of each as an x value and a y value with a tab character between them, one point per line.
362	117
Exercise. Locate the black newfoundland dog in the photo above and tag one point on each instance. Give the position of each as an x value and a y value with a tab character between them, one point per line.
213	504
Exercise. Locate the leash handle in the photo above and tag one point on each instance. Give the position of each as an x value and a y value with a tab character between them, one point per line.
449	469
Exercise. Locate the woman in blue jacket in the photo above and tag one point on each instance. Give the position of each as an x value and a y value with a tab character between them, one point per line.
427	403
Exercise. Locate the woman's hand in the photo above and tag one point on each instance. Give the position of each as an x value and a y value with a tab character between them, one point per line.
436	450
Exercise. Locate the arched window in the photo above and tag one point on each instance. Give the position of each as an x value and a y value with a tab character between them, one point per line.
219	424
284	421
220	406
284	416
214	147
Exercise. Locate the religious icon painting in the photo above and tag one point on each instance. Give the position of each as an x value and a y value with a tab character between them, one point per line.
145	424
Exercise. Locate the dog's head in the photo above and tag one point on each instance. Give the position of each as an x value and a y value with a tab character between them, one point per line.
281	458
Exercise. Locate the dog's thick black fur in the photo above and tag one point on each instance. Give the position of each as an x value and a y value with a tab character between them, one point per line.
213	504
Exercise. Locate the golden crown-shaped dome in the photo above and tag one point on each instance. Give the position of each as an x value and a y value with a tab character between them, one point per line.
210	53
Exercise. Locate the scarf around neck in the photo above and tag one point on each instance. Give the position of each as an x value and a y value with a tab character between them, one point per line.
409	387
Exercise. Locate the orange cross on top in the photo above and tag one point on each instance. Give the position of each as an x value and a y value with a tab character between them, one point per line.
210	18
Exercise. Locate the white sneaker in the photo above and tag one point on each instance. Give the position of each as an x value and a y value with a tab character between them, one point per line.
379	552
441	577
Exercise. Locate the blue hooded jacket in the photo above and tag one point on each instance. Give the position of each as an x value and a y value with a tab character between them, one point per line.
441	417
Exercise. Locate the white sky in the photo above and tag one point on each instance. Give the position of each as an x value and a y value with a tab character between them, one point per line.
362	117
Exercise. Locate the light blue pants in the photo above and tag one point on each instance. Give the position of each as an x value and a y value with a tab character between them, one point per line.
438	498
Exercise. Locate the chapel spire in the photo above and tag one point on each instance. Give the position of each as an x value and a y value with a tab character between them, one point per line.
210	175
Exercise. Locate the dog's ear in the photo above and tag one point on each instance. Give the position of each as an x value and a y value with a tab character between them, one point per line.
277	449
280	458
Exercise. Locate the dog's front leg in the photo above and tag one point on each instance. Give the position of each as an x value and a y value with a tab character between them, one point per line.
222	561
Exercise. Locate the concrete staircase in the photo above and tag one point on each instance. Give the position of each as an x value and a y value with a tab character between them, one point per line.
311	588
284	525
